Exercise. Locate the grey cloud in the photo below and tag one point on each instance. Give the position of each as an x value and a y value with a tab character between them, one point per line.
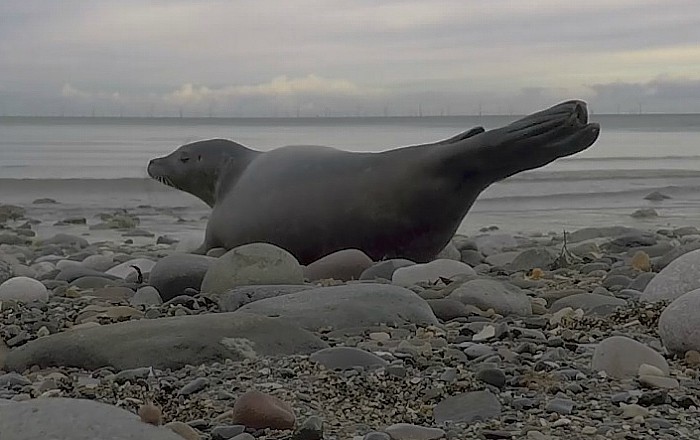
447	55
662	94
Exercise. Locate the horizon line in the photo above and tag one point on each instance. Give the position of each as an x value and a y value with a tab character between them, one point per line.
177	117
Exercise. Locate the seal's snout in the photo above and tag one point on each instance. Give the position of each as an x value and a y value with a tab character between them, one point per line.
151	166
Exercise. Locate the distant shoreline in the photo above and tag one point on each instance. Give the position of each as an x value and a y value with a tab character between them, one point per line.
216	119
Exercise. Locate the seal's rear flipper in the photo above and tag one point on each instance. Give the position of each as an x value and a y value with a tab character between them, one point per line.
201	250
462	136
530	142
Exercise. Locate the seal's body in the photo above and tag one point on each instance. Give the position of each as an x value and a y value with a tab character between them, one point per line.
402	203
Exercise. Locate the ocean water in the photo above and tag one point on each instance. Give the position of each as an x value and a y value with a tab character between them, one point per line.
101	162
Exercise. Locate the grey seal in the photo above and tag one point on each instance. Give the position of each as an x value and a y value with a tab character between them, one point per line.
402	203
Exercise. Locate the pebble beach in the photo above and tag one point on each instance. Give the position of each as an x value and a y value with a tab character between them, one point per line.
111	330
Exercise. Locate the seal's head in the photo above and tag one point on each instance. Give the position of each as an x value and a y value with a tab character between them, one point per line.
195	168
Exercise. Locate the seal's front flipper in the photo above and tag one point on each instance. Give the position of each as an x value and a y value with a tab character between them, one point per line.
201	250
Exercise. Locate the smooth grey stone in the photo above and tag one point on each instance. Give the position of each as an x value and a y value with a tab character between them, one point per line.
660	263
620	357
347	306
679	324
171	343
310	429
633	239
254	263
384	269
72	273
175	273
524	403
132	374
658	423
501	259
10	380
475	351
75	419
194	386
463	242
656	250
6	271
686	230
447	309
93	282
407	431
592	267
641	281
494	244
375	435
344	358
560	406
467	407
679	277
595	232
590	303
532	258
344	265
237	297
66	240
471	257
486	294
226	432
396	371
617	280
492	376
147	295
430	272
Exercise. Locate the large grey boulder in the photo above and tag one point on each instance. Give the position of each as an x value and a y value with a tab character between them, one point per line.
681	276
679	324
175	273
348	306
74	419
166	343
255	263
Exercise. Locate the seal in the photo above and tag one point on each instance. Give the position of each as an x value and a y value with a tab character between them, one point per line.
402	203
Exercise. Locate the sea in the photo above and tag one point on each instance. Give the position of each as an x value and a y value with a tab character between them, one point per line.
94	163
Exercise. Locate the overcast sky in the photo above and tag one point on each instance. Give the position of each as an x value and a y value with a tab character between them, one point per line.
345	57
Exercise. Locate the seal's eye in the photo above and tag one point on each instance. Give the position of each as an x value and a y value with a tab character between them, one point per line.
184	159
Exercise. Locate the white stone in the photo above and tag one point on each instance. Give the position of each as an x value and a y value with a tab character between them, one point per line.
649	370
